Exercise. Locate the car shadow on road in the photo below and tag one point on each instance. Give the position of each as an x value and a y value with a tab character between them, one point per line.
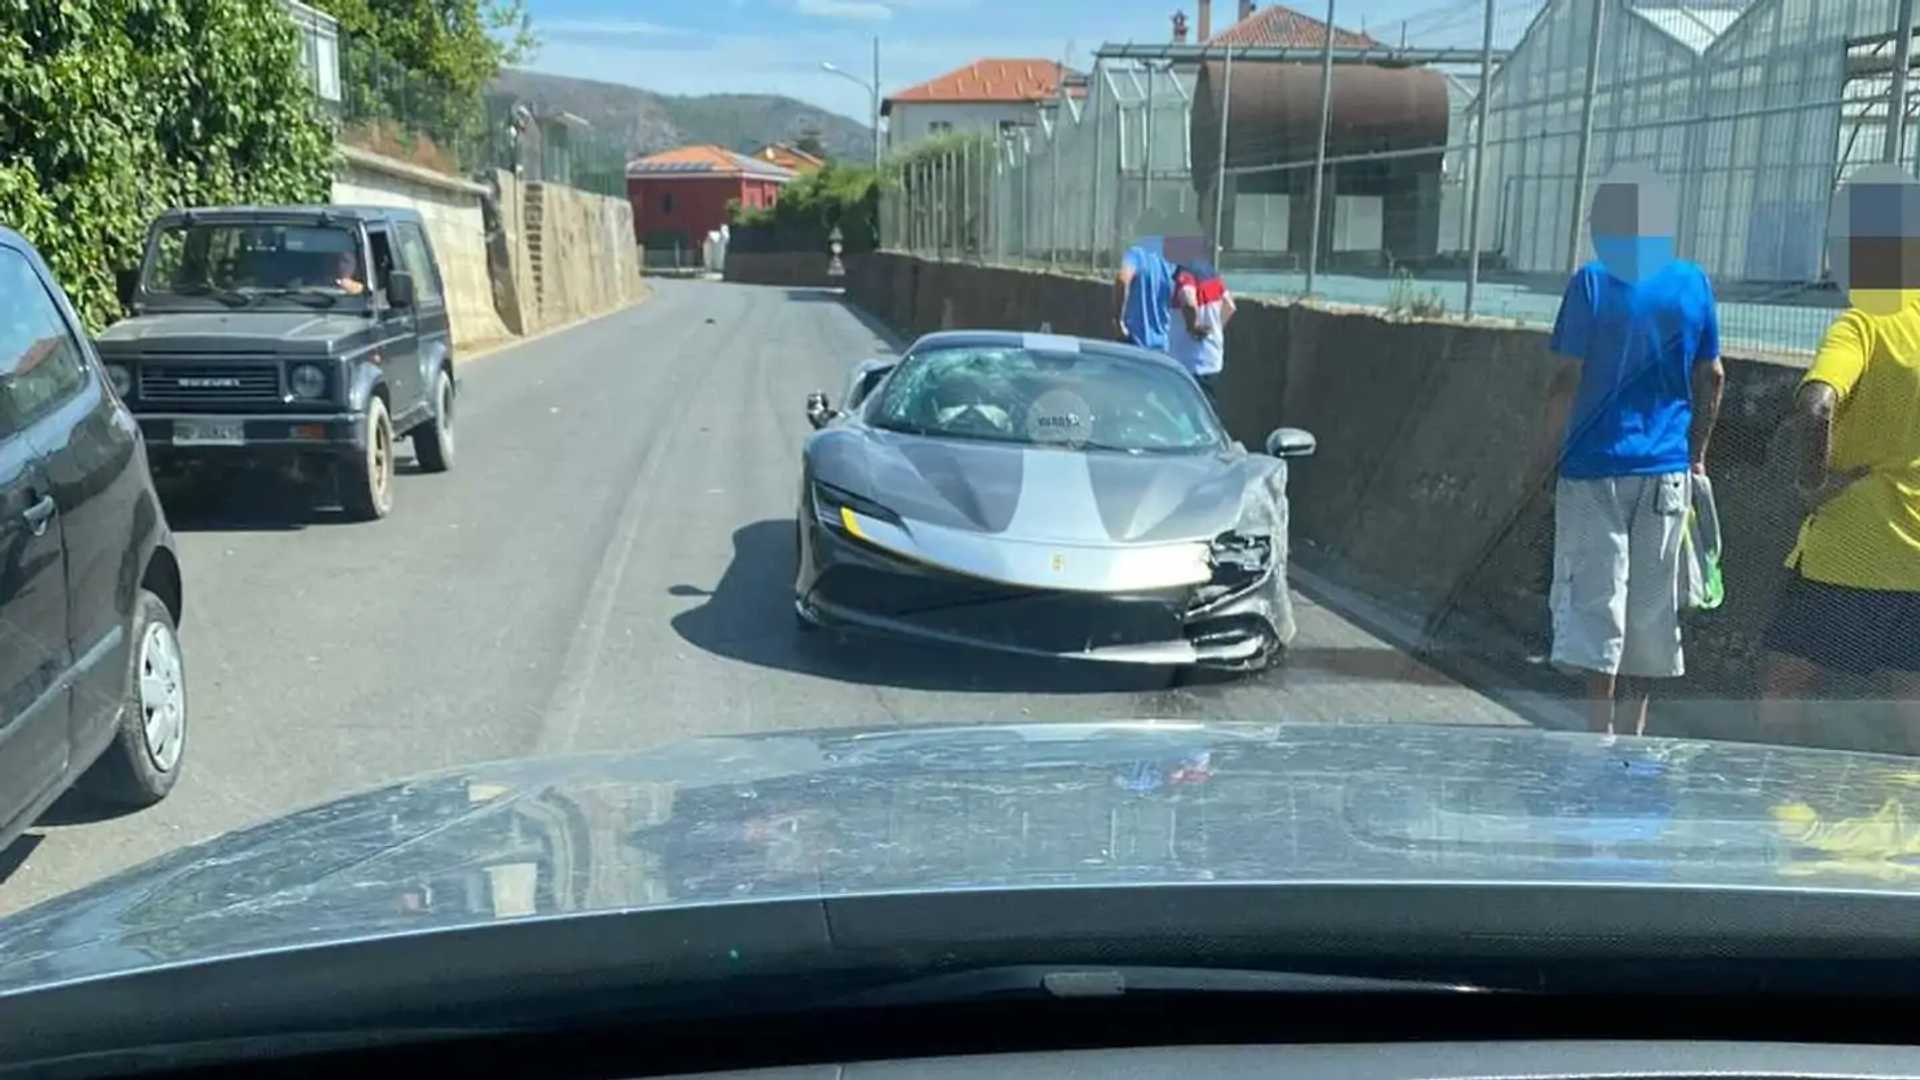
749	616
255	501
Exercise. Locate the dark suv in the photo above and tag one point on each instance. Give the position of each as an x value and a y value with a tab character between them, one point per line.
306	336
92	688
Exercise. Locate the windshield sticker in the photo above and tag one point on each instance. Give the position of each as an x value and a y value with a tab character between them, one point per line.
1061	418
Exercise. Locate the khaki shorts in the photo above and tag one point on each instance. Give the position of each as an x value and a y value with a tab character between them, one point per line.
1616	574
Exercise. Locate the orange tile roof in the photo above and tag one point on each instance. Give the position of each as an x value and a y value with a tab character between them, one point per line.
1280	26
705	160
991	80
789	157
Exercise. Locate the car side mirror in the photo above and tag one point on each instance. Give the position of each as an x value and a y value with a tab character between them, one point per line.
819	412
125	284
400	289
1290	442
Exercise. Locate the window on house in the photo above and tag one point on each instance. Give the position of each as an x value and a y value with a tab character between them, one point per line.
666	203
940	127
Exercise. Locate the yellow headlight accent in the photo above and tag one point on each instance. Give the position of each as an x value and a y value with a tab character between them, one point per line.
851	524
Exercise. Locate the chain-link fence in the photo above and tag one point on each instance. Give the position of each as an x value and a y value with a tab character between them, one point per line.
1365	174
391	109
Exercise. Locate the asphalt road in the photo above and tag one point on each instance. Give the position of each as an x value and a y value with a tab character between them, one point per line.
608	566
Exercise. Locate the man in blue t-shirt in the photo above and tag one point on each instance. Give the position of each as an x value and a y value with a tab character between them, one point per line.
1643	327
1143	288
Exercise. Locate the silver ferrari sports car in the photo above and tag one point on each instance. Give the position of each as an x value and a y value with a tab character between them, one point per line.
1044	494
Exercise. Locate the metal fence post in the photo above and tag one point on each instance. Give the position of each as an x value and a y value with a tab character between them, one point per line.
1146	149
1053	193
1479	162
1897	93
1320	152
1220	170
1585	154
966	198
1096	101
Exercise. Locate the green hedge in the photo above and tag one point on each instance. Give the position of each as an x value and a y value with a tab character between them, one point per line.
113	110
809	207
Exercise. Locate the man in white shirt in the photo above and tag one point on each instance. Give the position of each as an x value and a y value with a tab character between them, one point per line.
1198	337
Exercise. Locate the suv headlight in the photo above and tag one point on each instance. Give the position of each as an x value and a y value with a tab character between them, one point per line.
121	377
307	381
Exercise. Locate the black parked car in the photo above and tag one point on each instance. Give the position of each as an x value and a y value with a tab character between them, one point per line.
92	687
305	336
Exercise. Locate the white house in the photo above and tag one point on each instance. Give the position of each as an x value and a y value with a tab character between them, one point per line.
983	97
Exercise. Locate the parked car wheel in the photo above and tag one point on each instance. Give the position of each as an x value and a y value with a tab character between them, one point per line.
433	442
142	762
366	486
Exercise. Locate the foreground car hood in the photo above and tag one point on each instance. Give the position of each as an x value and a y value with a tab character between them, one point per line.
841	813
231	331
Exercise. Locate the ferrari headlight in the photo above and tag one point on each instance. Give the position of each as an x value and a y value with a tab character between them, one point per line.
121	378
307	381
1242	551
836	509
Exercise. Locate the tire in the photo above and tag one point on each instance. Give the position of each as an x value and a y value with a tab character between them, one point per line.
143	761
433	442
366	485
800	620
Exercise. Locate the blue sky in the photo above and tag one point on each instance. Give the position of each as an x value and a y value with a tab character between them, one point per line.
776	46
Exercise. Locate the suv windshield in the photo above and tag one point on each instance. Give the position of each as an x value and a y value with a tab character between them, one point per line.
253	263
1018	395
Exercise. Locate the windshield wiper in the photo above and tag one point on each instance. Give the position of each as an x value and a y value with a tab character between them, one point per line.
1080	981
229	297
310	297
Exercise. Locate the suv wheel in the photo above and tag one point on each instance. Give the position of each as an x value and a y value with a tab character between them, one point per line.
366	485
142	762
433	442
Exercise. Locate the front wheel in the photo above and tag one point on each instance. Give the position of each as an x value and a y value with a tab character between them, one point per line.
433	442
366	484
142	763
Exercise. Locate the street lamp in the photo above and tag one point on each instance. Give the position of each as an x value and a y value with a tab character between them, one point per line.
873	92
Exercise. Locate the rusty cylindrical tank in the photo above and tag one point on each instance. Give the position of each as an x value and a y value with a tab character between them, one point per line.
1275	117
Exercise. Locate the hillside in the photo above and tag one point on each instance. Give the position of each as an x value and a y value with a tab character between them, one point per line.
648	122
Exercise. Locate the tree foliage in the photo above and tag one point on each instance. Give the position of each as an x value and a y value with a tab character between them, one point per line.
113	110
455	46
809	208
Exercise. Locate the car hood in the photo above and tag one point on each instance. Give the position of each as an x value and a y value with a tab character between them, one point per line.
850	813
1040	494
301	332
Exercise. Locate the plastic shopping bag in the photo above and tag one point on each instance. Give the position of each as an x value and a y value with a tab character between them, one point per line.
1701	587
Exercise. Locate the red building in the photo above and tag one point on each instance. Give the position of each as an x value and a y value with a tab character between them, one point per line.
681	195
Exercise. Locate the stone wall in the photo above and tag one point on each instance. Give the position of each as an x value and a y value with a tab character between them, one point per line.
1432	489
451	209
576	255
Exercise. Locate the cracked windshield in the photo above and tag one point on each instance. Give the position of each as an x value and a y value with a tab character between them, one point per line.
467	460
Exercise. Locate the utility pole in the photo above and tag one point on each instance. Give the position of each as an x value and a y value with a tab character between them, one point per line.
875	90
1320	155
1479	161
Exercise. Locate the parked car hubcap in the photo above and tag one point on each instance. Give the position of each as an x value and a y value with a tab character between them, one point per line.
163	696
382	463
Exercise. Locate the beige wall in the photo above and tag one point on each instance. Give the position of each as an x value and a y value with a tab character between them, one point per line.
573	252
451	209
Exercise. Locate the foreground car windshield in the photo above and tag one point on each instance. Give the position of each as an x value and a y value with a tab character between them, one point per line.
1019	395
249	259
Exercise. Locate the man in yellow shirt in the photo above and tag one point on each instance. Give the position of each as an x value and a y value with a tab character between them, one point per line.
1853	604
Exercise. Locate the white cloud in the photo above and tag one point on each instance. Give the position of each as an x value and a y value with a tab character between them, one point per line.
863	10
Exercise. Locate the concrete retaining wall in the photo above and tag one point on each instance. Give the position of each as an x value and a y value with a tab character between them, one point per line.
792	268
451	209
1432	491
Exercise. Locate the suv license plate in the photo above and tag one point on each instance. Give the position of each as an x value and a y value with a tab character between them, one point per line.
208	433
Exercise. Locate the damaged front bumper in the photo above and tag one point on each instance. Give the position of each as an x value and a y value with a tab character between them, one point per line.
1240	619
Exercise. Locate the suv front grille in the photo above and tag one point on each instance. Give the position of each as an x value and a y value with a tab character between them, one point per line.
197	384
